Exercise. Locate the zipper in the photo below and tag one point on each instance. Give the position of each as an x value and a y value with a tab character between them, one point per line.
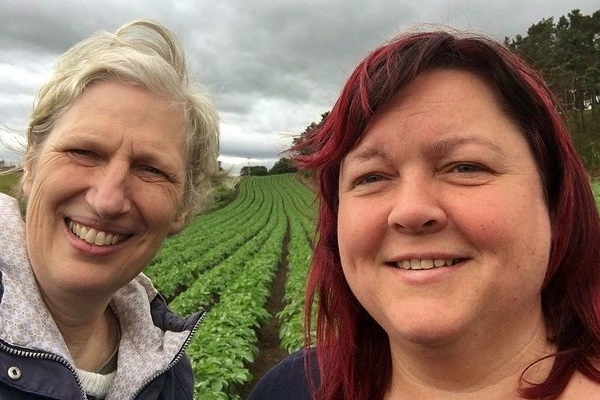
43	356
54	357
175	360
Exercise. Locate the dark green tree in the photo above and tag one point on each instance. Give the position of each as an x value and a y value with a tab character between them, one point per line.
567	54
309	129
282	166
254	170
538	45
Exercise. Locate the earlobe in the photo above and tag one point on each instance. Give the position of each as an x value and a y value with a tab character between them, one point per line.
178	222
26	179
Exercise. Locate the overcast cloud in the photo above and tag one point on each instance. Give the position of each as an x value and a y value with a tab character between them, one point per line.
272	66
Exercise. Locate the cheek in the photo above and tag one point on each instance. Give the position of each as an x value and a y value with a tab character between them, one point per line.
491	228
517	234
159	212
360	231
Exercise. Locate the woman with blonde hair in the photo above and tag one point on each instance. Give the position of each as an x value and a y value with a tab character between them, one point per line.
121	153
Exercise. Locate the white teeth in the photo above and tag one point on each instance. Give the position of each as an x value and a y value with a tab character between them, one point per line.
100	238
440	263
423	264
92	236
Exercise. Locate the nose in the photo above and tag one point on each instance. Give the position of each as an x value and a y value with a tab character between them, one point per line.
108	193
417	208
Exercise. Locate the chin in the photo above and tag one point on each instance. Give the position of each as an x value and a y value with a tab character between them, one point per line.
432	339
427	334
84	287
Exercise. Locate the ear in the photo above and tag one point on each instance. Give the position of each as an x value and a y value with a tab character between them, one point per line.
27	177
179	222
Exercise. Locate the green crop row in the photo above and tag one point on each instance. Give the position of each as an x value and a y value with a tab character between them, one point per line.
291	317
209	285
208	241
225	262
227	340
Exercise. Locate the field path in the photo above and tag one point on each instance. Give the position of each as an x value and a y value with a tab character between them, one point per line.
269	348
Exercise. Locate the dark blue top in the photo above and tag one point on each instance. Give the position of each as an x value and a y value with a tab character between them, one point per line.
287	380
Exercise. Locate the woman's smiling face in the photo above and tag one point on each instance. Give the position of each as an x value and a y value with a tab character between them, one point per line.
443	229
105	189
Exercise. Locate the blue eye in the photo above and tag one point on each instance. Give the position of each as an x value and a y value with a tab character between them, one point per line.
467	168
152	170
152	174
370	178
83	157
80	152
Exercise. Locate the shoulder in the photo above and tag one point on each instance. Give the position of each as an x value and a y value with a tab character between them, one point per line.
176	383
9	209
581	387
13	226
288	379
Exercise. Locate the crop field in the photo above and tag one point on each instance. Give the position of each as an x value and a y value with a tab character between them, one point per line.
246	264
8	182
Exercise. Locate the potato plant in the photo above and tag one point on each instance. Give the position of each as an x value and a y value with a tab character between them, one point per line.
225	262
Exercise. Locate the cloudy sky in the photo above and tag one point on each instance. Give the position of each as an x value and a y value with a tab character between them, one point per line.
272	66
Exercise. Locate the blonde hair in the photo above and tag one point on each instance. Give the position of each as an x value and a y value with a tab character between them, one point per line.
144	53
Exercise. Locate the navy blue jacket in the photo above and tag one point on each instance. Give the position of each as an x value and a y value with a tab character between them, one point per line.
287	380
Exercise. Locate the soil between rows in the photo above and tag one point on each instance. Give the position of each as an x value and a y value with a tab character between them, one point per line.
269	350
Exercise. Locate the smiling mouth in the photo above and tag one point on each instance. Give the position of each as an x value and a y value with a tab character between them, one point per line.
420	264
93	236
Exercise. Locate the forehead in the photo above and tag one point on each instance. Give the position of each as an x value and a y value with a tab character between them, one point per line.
438	100
441	110
113	113
127	96
434	89
124	103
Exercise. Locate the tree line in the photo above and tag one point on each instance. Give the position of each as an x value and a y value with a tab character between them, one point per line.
282	166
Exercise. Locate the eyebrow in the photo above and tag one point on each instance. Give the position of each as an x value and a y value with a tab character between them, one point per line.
445	145
368	153
435	148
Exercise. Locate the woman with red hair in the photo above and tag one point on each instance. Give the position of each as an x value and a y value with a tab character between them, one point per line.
458	243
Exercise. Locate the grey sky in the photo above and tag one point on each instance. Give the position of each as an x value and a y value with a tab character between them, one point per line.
273	67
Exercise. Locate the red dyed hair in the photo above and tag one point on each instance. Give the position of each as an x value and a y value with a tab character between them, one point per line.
352	349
